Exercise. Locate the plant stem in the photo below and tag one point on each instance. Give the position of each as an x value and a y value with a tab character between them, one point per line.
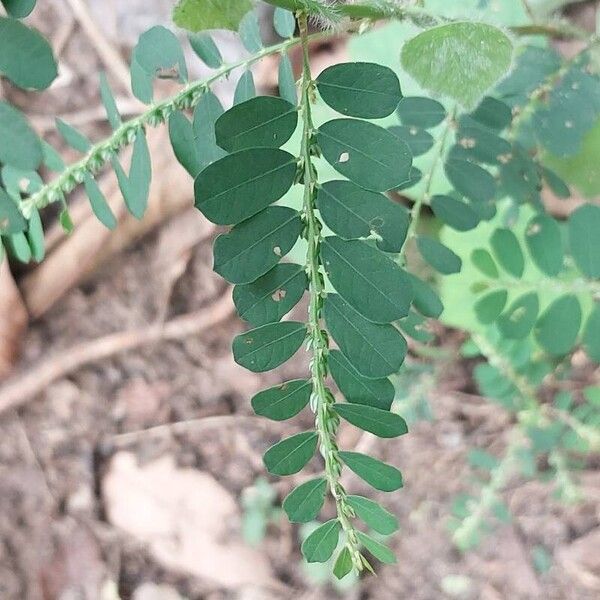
326	420
155	115
415	213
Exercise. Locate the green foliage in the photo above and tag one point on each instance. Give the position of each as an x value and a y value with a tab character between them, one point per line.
459	60
522	284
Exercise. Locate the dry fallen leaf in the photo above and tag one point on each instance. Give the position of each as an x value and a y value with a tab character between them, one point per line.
187	519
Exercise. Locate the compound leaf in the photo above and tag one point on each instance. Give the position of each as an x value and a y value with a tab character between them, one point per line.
365	153
377	474
381	423
291	454
356	89
368	280
240	185
283	401
304	503
269	346
264	121
256	245
322	542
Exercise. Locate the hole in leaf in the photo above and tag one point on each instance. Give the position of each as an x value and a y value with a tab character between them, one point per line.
344	157
277	250
278	295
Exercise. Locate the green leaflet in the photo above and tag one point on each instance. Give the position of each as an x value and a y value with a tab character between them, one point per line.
356	388
508	251
374	350
287	80
415	326
490	307
418	140
454	213
304	503
558	326
11	219
484	262
377	474
18	247
343	563
414	177
368	280
206	49
556	184
353	212
544	241
374	515
73	137
269	346
591	334
136	187
255	246
584	228
291	454
381	423
259	176
206	113
440	257
51	158
356	89
108	100
365	153
426	300
25	56
470	180
283	401
493	113
520	318
181	134
245	89
35	237
380	551
415	111
322	542
460	60
483	146
19	9
98	203
19	144
271	296
264	121
157	49
197	15
284	22
249	32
